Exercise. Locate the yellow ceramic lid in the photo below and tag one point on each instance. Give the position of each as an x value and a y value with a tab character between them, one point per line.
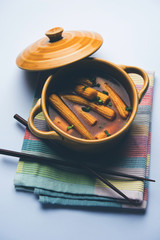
58	48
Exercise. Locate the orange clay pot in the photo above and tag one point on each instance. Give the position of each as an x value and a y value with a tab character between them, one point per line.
99	68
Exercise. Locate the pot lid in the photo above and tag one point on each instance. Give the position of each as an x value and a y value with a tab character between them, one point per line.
58	48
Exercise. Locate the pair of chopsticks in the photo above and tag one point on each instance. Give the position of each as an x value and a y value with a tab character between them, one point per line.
93	170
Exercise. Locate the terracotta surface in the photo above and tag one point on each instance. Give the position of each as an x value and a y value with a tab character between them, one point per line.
58	48
97	66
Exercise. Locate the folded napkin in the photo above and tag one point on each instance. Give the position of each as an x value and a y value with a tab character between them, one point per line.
69	186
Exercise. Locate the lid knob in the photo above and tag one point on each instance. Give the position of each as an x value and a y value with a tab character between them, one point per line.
54	34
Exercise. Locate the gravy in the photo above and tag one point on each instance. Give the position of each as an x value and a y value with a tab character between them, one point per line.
102	123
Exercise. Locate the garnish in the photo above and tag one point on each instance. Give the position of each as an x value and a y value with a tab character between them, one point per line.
86	109
101	125
100	101
129	109
85	87
70	127
107	133
94	84
109	104
97	85
105	92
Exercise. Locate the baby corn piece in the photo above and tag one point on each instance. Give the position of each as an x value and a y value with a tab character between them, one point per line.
102	110
105	98
86	92
62	124
86	116
118	102
102	134
86	82
69	116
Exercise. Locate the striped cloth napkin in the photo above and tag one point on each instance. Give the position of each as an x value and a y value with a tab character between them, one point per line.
68	186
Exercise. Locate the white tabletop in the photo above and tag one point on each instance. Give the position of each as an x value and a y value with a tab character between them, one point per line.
130	30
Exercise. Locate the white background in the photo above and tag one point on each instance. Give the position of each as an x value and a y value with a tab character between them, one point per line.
131	33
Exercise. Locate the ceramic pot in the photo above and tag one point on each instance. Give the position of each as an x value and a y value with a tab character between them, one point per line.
100	68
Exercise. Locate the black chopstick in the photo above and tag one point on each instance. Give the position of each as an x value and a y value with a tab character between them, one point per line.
21	120
42	159
119	174
109	184
102	170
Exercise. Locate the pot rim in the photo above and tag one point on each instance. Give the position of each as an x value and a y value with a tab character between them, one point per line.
86	141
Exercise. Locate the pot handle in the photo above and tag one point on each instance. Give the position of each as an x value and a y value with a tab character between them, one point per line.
143	74
42	134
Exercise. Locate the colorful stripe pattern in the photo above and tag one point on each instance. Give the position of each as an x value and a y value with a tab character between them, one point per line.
71	187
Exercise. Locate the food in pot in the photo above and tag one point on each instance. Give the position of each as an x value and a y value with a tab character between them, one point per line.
103	97
91	120
70	117
62	124
118	102
102	134
92	108
86	92
101	109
